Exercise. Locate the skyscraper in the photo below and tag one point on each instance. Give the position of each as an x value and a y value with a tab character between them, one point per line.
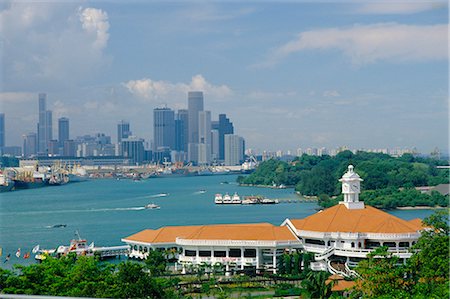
234	149
195	105
29	145
204	136
163	129
225	127
181	130
123	130
2	131
133	148
63	130
44	134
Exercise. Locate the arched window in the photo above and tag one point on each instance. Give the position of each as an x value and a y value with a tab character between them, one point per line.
359	244
135	247
329	243
140	248
353	244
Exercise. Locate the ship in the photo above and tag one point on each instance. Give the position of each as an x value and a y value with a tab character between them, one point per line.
236	199
218	199
80	247
36	180
6	184
226	199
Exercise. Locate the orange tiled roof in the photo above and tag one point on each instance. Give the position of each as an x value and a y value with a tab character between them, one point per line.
367	220
257	231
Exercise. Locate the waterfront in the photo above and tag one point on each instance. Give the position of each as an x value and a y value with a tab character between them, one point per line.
104	211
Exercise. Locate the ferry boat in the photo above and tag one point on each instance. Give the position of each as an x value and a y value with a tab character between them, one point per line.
236	199
218	199
267	201
227	199
80	246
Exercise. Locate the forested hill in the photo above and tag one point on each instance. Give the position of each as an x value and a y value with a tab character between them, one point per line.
383	177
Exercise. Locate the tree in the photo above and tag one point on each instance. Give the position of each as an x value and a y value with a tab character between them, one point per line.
315	286
156	262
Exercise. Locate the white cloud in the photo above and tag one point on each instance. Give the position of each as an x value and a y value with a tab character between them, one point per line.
331	93
365	44
152	90
51	44
389	7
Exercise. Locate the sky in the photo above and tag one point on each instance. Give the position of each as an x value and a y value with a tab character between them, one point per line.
288	74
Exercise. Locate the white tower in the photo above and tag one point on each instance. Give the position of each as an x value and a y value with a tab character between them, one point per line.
351	189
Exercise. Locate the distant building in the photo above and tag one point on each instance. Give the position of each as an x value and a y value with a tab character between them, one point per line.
133	149
195	105
15	151
163	128
63	130
2	131
45	128
181	130
69	149
123	130
225	127
204	131
29	145
234	149
53	147
214	145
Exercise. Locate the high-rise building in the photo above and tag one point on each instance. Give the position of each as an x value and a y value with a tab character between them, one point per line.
133	149
29	145
44	134
2	131
163	129
63	130
181	130
224	127
204	136
214	145
234	149
195	105
69	148
123	130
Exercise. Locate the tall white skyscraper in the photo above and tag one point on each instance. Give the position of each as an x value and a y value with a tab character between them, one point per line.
195	105
234	149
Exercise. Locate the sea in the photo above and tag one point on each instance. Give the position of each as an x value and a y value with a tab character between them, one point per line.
106	210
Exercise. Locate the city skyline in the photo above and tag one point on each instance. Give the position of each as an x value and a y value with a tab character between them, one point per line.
306	76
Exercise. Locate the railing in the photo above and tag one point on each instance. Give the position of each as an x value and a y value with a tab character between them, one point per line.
318	266
335	271
213	260
356	236
351	272
322	256
254	243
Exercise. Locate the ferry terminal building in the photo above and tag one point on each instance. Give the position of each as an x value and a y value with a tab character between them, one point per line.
339	237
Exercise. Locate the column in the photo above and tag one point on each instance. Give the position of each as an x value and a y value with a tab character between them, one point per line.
242	258
397	246
257	258
274	261
227	266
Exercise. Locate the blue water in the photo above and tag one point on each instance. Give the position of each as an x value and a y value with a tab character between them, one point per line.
107	210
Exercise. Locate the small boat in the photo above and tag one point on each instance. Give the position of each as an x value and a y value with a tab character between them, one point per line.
224	183
202	191
267	201
218	199
152	206
59	225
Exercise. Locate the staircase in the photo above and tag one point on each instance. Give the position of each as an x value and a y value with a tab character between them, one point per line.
324	255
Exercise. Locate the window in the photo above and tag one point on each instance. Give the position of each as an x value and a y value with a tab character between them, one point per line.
190	253
317	242
390	244
353	244
234	252
250	253
140	248
220	253
204	253
145	249
403	244
359	244
135	247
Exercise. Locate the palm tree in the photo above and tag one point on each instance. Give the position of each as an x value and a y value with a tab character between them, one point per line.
314	285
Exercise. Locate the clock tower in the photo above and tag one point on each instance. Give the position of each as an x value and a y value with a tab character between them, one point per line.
351	189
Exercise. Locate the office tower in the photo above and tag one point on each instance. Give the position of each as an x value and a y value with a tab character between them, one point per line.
2	131
133	149
163	129
214	145
53	147
123	130
44	134
204	137
234	149
29	145
195	105
69	149
63	130
225	127
181	130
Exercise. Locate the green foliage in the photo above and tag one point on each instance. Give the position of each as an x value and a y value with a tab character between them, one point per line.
425	274
156	262
314	285
85	277
286	289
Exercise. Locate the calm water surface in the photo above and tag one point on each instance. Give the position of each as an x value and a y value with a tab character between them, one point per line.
105	211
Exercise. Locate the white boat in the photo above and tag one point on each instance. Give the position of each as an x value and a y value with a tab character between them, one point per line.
236	199
218	199
227	199
202	191
152	206
268	201
80	247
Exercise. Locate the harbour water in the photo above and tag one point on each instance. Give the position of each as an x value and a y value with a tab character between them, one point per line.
106	210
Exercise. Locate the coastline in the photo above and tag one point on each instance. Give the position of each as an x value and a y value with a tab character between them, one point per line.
420	208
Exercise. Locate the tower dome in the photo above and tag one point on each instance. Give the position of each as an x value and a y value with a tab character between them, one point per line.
351	188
